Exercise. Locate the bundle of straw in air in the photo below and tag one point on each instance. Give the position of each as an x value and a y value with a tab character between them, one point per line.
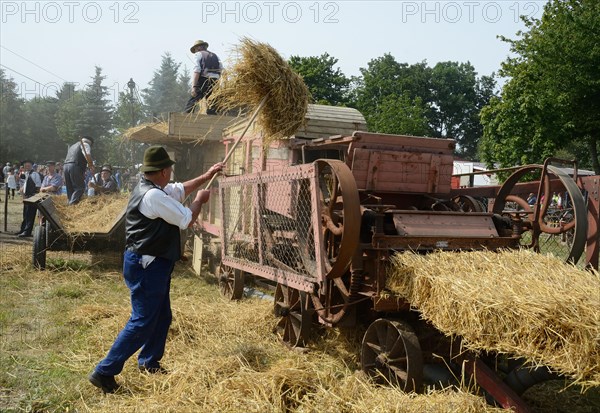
519	303
260	71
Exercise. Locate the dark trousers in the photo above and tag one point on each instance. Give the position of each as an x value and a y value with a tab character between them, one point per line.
203	90
29	210
74	181
150	319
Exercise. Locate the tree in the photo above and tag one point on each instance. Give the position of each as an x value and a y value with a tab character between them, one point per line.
12	121
40	132
552	98
327	84
165	92
457	98
400	115
385	91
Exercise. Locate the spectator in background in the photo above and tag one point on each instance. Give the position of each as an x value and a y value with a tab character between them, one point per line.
531	199
31	185
105	183
52	182
6	169
11	182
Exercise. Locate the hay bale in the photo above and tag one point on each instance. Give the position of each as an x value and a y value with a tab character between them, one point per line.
514	302
259	71
91	214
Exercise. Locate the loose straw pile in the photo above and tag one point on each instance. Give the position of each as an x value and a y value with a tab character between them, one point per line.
91	214
223	357
514	302
260	71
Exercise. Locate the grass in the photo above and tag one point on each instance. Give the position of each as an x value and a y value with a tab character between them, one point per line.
55	325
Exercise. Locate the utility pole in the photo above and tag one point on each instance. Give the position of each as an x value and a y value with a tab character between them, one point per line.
131	86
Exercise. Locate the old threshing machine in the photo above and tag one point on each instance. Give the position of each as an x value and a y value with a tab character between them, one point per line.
318	219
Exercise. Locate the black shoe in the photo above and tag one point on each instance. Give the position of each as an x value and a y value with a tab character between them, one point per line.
24	235
17	233
106	383
153	370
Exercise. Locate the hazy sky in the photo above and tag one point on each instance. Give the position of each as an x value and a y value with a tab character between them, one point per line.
45	43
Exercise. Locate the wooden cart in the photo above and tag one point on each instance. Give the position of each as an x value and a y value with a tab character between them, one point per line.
50	235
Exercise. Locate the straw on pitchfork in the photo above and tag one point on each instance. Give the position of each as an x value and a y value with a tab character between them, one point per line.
262	80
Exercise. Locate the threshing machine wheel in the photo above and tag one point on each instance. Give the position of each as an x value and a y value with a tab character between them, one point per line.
294	308
340	215
539	219
40	246
466	203
332	300
231	282
391	353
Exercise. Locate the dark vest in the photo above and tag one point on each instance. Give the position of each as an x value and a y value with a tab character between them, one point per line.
147	236
75	155
30	188
211	61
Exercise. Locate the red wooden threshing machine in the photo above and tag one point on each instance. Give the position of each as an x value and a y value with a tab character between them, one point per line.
321	225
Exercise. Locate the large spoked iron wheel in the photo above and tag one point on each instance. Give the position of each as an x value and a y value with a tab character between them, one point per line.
542	220
231	282
391	354
340	216
295	312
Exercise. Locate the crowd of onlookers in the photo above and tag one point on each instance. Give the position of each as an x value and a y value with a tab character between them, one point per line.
14	176
28	178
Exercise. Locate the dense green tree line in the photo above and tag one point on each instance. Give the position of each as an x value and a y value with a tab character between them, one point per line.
551	103
549	106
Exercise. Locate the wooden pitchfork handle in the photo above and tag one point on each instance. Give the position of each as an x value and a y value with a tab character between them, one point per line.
238	140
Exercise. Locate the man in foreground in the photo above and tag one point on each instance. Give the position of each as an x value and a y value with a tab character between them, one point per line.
154	217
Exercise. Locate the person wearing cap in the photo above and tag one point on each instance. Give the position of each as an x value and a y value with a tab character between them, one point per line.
105	183
6	169
153	219
53	182
31	183
79	156
206	74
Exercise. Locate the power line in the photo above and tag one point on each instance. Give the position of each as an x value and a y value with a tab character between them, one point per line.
33	63
21	74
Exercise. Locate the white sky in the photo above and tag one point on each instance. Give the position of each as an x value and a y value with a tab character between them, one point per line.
128	38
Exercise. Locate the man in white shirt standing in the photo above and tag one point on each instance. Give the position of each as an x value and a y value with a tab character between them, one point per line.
154	217
206	73
31	183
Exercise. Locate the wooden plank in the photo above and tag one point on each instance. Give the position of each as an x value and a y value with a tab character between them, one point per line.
408	143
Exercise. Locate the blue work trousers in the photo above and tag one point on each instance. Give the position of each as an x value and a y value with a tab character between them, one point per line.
150	319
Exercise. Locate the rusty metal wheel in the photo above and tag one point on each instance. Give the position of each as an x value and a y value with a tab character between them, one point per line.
391	353
231	282
340	215
466	203
539	218
333	300
295	312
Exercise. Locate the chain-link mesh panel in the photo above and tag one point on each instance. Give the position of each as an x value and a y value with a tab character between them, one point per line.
268	219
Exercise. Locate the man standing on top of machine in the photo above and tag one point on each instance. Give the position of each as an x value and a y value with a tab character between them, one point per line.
78	157
206	73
